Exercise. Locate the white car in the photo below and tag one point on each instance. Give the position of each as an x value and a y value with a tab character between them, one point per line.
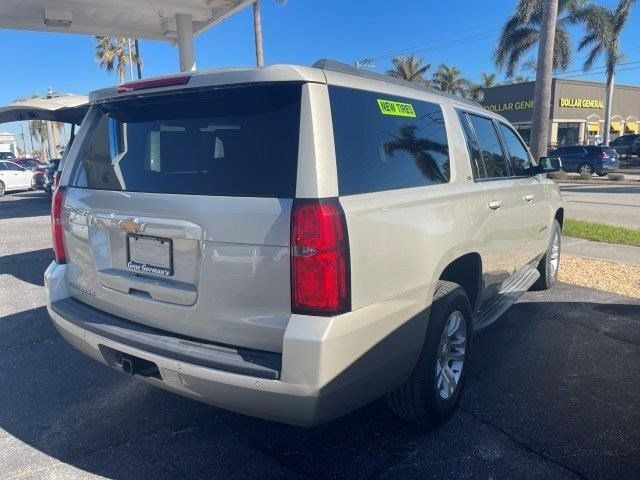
15	177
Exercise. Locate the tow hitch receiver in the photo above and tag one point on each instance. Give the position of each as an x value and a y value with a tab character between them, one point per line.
139	366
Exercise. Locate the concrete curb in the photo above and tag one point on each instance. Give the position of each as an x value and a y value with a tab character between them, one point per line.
601	251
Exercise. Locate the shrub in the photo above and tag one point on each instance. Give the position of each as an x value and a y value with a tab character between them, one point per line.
616	177
560	175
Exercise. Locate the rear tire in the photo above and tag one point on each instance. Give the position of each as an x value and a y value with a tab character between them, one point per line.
432	392
3	190
585	168
602	174
550	263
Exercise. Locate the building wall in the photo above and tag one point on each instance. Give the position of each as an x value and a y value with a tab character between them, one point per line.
577	108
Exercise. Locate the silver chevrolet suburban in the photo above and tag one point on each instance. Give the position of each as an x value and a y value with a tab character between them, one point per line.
294	242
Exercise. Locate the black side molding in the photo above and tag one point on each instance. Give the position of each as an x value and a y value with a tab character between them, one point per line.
254	363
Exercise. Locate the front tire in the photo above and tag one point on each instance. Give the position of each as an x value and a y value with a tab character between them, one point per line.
550	263
432	392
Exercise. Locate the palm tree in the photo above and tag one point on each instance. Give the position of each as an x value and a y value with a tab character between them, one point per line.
421	149
603	27
522	31
38	129
257	31
487	80
544	68
410	68
448	79
115	54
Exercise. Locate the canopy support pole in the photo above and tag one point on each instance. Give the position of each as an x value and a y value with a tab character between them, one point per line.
184	27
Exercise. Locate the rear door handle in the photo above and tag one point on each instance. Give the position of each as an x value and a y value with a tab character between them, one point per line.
495	204
529	197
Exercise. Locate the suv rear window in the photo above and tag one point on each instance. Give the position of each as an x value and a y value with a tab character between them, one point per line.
239	141
384	142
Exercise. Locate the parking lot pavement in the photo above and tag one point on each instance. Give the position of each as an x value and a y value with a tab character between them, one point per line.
552	392
612	204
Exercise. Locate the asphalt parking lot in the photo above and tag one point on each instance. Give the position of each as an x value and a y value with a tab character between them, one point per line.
617	205
553	392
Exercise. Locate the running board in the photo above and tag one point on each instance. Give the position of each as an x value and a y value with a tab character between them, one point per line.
511	291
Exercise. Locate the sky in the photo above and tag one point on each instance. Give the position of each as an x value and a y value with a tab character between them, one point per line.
462	34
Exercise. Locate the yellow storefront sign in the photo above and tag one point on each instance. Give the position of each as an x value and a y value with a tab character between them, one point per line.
581	103
388	107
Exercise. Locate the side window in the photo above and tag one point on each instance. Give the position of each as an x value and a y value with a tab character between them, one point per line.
13	166
518	153
3	166
574	150
384	142
493	157
477	165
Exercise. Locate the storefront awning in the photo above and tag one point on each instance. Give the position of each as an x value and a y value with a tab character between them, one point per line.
631	127
593	127
616	126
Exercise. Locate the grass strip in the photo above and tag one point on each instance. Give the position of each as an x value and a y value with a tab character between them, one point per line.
599	232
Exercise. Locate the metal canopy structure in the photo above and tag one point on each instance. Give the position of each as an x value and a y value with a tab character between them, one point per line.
171	20
59	107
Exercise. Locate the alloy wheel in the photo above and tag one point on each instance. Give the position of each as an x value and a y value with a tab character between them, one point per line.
451	354
554	258
586	169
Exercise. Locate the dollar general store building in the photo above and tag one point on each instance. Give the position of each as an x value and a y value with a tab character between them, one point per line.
577	109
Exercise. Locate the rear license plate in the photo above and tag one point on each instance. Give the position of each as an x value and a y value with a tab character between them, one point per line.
148	254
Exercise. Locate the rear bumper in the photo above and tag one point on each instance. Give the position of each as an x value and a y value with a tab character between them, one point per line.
329	366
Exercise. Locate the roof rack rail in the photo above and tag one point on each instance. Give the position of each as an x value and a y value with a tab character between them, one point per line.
335	66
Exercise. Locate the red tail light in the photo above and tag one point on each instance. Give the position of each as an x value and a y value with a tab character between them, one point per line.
57	232
603	155
153	83
320	271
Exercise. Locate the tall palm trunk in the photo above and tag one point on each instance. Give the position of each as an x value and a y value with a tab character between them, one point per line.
544	69
607	108
257	30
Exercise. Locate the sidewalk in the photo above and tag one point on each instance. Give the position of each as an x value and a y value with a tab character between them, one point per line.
601	251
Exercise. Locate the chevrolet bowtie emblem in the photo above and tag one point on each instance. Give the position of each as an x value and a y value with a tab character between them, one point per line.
131	225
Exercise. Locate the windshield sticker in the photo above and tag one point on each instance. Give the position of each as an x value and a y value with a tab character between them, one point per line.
388	107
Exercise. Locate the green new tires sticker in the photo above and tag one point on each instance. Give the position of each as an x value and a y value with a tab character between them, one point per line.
399	109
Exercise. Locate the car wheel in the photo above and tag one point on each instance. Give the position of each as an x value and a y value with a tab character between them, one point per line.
432	392
550	263
585	168
2	189
601	174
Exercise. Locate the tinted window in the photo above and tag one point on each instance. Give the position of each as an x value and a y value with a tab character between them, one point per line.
3	166
477	165
518	154
573	150
493	157
235	142
13	166
385	142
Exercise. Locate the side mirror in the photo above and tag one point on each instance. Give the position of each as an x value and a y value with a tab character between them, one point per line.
548	164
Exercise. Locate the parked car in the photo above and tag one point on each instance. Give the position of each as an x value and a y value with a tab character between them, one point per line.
15	177
293	242
587	159
36	166
7	156
627	144
49	175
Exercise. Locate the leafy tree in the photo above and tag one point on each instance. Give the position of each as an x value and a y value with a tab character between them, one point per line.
521	32
114	54
257	30
603	27
448	79
410	68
